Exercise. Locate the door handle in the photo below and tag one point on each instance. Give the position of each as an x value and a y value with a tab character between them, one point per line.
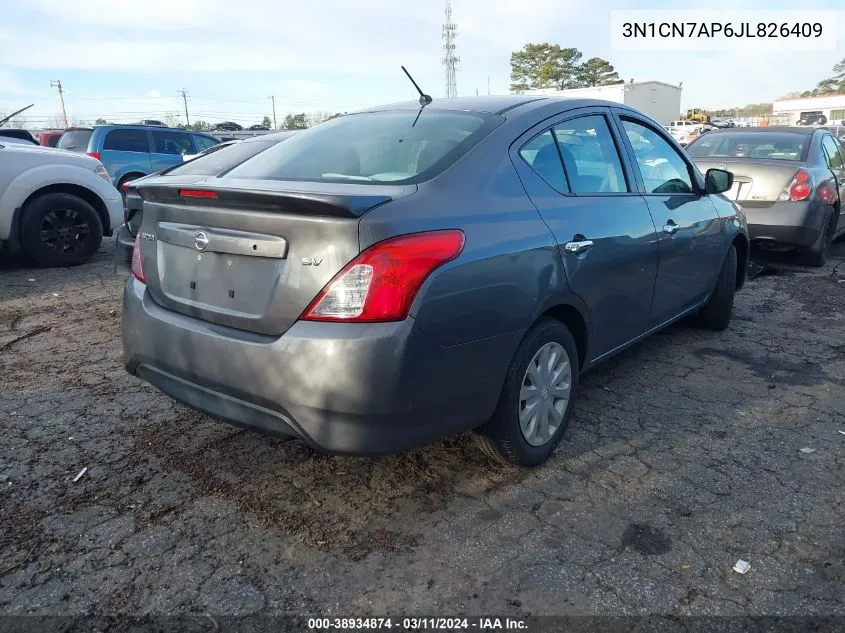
580	246
670	228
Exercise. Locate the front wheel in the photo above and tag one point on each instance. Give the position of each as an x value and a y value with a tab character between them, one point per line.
536	399
60	229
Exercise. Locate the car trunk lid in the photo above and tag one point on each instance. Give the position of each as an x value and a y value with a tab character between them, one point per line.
756	182
250	254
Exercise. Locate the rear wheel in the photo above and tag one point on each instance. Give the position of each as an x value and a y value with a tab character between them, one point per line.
536	399
716	313
60	229
816	255
124	180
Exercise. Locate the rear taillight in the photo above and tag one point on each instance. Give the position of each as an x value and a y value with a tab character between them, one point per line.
94	155
798	189
137	265
826	193
381	283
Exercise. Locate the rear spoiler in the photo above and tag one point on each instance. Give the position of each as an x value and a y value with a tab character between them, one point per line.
335	205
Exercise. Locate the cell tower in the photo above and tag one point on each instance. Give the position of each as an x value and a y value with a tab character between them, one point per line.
450	61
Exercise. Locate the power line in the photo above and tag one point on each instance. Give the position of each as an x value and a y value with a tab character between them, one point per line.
450	61
56	83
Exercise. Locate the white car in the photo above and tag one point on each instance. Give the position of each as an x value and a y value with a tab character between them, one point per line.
55	206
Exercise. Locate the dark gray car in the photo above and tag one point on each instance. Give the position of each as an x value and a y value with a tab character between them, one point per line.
790	182
396	275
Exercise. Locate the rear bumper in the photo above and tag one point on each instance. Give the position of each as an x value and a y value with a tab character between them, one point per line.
788	223
361	389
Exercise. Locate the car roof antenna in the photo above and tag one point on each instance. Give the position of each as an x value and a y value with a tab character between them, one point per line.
424	98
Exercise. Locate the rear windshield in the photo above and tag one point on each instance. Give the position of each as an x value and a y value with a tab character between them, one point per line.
774	146
218	161
75	140
396	146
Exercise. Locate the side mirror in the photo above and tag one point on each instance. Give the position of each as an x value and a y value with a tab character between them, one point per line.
718	181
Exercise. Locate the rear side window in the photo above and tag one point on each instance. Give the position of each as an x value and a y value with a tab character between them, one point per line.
833	152
589	156
204	142
172	143
763	145
221	160
75	140
126	141
395	146
542	156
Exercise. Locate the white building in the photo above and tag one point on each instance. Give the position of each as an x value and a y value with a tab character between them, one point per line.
831	107
659	100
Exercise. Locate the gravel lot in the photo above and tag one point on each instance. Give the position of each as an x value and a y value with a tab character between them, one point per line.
684	455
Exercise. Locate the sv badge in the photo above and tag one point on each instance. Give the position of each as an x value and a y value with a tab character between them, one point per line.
312	261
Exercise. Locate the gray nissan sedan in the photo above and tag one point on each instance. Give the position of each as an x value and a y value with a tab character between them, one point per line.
399	274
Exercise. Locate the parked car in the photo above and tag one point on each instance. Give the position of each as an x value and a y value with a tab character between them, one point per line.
258	126
213	148
790	181
55	207
684	131
49	138
214	161
812	118
228	126
7	134
131	151
396	275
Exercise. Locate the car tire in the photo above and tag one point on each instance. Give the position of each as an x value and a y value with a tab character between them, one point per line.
513	435
60	229
816	255
716	313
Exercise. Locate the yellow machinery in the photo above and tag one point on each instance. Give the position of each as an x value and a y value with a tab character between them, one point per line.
697	114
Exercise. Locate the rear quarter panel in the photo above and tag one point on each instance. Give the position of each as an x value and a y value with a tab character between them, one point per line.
477	308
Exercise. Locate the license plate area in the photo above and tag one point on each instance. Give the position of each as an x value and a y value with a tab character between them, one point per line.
225	283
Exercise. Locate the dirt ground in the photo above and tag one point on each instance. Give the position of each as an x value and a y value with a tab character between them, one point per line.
686	453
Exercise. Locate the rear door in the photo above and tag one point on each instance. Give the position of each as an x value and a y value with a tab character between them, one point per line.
835	157
603	228
125	151
690	237
168	147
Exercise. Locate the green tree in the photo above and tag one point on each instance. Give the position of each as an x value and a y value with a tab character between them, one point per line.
295	122
831	85
597	72
101	121
266	122
545	66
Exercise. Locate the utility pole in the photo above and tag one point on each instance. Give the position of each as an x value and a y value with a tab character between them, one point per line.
56	83
273	100
185	99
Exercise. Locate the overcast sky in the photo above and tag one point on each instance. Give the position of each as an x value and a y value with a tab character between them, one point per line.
128	59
